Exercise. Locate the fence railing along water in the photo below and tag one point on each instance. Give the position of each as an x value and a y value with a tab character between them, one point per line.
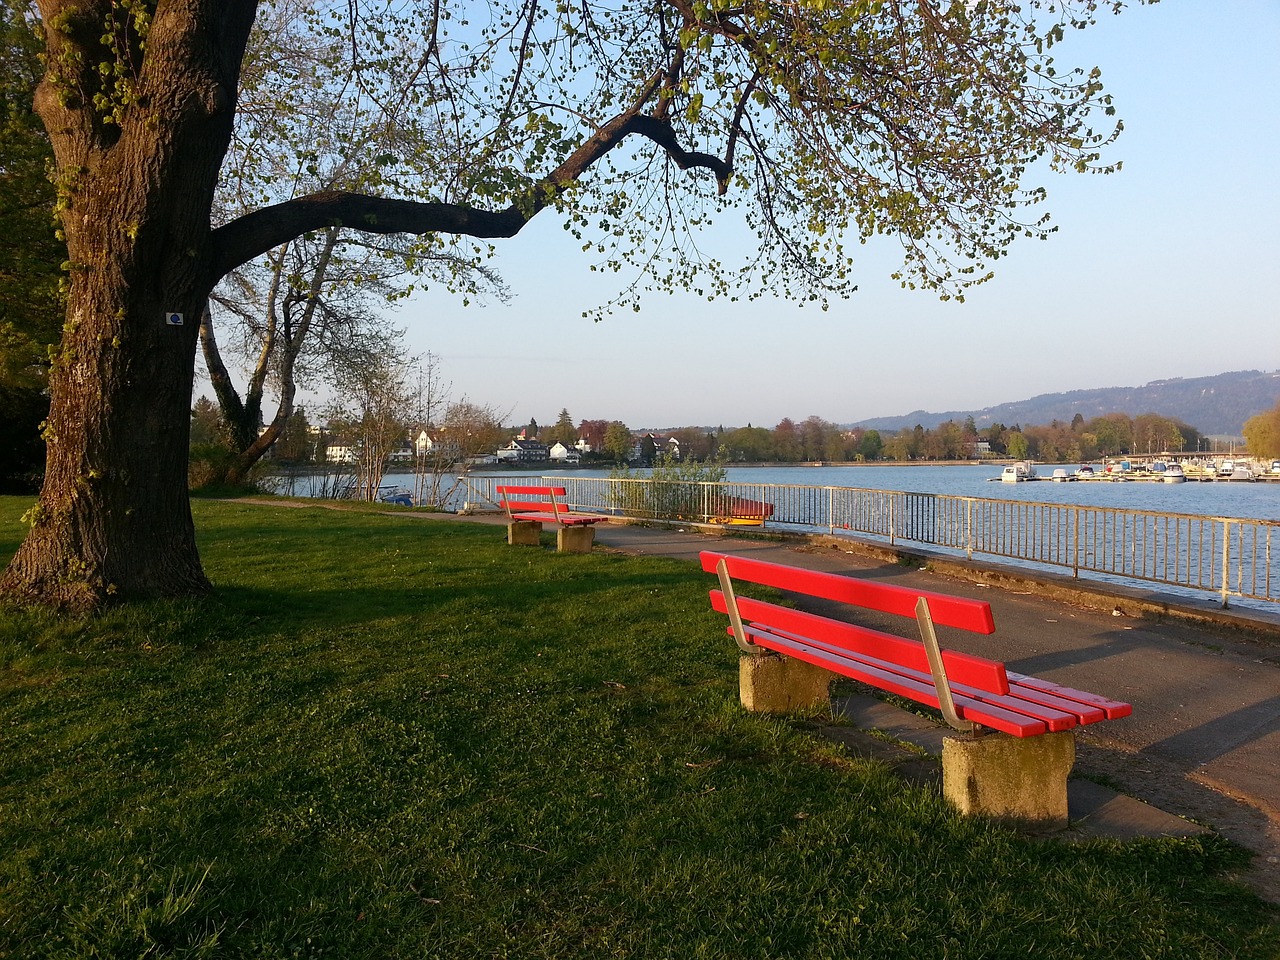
1229	557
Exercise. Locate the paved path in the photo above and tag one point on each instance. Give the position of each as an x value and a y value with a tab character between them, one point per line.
1204	738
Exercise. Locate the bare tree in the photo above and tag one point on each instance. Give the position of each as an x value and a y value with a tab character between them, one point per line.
469	432
375	412
294	312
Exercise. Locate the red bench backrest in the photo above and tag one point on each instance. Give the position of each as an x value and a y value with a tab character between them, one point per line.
551	499
963	668
964	614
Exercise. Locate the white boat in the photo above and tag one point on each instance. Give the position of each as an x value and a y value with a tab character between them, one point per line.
1173	474
1018	472
1060	475
1239	471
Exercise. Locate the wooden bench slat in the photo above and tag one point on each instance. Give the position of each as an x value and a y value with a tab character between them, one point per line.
960	612
1054	717
1086	712
989	715
961	667
1114	709
566	519
550	509
522	489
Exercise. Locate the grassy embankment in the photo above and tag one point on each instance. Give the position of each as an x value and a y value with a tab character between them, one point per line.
396	738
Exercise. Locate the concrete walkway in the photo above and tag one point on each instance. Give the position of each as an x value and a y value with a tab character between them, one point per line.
1204	739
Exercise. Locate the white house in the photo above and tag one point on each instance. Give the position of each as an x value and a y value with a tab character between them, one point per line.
563	454
402	452
525	450
340	451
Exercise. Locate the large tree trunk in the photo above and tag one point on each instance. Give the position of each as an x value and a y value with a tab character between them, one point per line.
113	519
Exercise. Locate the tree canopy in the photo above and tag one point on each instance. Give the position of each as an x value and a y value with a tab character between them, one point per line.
818	123
1262	433
823	122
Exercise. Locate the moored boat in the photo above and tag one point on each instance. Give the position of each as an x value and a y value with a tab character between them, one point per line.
395	494
1018	472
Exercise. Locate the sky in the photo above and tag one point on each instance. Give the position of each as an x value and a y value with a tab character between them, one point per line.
1169	268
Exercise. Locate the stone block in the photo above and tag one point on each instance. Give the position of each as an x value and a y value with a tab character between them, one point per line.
1021	780
769	683
524	533
575	539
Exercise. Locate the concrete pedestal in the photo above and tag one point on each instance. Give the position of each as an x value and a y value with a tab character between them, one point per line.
768	683
575	539
1023	780
524	533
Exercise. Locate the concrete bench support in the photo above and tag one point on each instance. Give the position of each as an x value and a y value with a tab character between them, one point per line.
524	533
1008	778
768	683
575	539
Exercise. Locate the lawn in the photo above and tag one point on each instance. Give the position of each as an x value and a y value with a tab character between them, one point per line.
386	737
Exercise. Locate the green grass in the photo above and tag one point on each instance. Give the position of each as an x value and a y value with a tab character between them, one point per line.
387	737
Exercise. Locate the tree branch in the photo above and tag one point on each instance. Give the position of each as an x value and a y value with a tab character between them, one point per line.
255	233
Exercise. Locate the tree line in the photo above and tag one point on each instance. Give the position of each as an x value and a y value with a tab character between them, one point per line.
811	440
816	439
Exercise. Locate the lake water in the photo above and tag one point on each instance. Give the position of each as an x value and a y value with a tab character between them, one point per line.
1253	501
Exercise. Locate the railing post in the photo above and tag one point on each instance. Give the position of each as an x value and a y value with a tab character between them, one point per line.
1075	549
1226	560
892	500
968	528
831	510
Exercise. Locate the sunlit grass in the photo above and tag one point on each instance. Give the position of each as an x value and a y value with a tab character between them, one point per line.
388	737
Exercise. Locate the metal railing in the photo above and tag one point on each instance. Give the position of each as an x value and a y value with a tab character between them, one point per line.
1230	557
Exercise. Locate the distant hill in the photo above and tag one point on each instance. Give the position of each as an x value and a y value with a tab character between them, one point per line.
1213	405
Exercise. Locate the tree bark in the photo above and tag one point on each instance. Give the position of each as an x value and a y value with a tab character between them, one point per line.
113	519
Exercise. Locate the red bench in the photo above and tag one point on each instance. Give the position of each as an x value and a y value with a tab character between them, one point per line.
974	694
529	507
740	511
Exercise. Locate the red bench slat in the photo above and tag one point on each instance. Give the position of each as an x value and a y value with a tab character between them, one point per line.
564	519
523	490
961	667
513	507
1086	713
1114	709
989	715
960	612
548	510
1055	718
